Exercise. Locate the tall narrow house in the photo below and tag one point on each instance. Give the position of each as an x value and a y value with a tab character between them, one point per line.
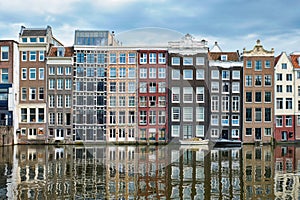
59	94
226	75
295	59
258	98
284	99
34	44
90	85
9	84
188	86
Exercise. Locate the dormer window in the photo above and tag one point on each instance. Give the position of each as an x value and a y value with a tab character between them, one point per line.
284	66
24	40
42	39
223	57
33	39
60	52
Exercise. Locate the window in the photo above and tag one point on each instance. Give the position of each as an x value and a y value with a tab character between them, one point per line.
235	133
33	39
289	88
199	94
152	101
175	74
68	84
32	56
257	97
215	133
41	114
131	73
225	75
268	97
200	74
289	77
122	87
187	114
249	114
24	94
161	58
258	65
161	72
289	103
236	75
161	87
288	121
24	55
268	80
248	80
112	117
176	114
187	60
32	73
279	103
248	131
4	53
199	131
215	87
279	88
215	103
4	75
131	101
214	74
122	101
187	131
32	115
225	87
152	117
248	97
175	61
113	58
52	118
23	114
80	58
51	84
225	103
41	56
51	101
143	117
131	117
161	117
143	58
225	120
143	72
122	58
131	58
161	101
112	72
284	66
278	121
258	80
122	72
200	60
60	84
215	120
143	101
187	74
152	72
235	103
267	64
60	118
113	101
51	71
175	94
41	93
101	72
143	87
175	131
223	57
235	87
59	101
235	120
41	74
187	94
279	77
258	114
152	87
249	64
199	114
268	114
121	117
113	87
131	87
152	58
68	101
60	70
32	93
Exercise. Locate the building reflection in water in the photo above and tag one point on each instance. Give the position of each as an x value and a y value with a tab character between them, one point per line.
149	172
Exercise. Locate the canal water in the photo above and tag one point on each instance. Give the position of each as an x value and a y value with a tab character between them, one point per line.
149	172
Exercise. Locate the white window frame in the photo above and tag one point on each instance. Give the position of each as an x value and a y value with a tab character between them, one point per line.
177	109
200	74
175	130
187	114
200	112
175	61
188	95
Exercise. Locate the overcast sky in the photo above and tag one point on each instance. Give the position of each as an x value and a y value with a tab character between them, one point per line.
235	24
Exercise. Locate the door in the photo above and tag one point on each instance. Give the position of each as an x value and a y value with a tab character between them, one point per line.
258	134
59	134
225	134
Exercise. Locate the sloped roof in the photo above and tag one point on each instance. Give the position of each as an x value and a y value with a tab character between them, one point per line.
294	60
277	59
34	32
68	52
231	56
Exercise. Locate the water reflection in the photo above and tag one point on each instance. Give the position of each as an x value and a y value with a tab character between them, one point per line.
149	172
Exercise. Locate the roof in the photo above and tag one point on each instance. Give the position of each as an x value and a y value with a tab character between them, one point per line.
277	59
68	52
231	56
34	31
294	59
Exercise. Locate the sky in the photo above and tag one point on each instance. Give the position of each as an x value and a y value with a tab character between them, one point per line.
234	24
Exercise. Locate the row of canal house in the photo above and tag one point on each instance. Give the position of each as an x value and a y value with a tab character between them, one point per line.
98	90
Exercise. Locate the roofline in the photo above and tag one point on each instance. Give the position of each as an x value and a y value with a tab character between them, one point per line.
9	41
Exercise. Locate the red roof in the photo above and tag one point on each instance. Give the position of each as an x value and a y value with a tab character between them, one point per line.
68	52
294	59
